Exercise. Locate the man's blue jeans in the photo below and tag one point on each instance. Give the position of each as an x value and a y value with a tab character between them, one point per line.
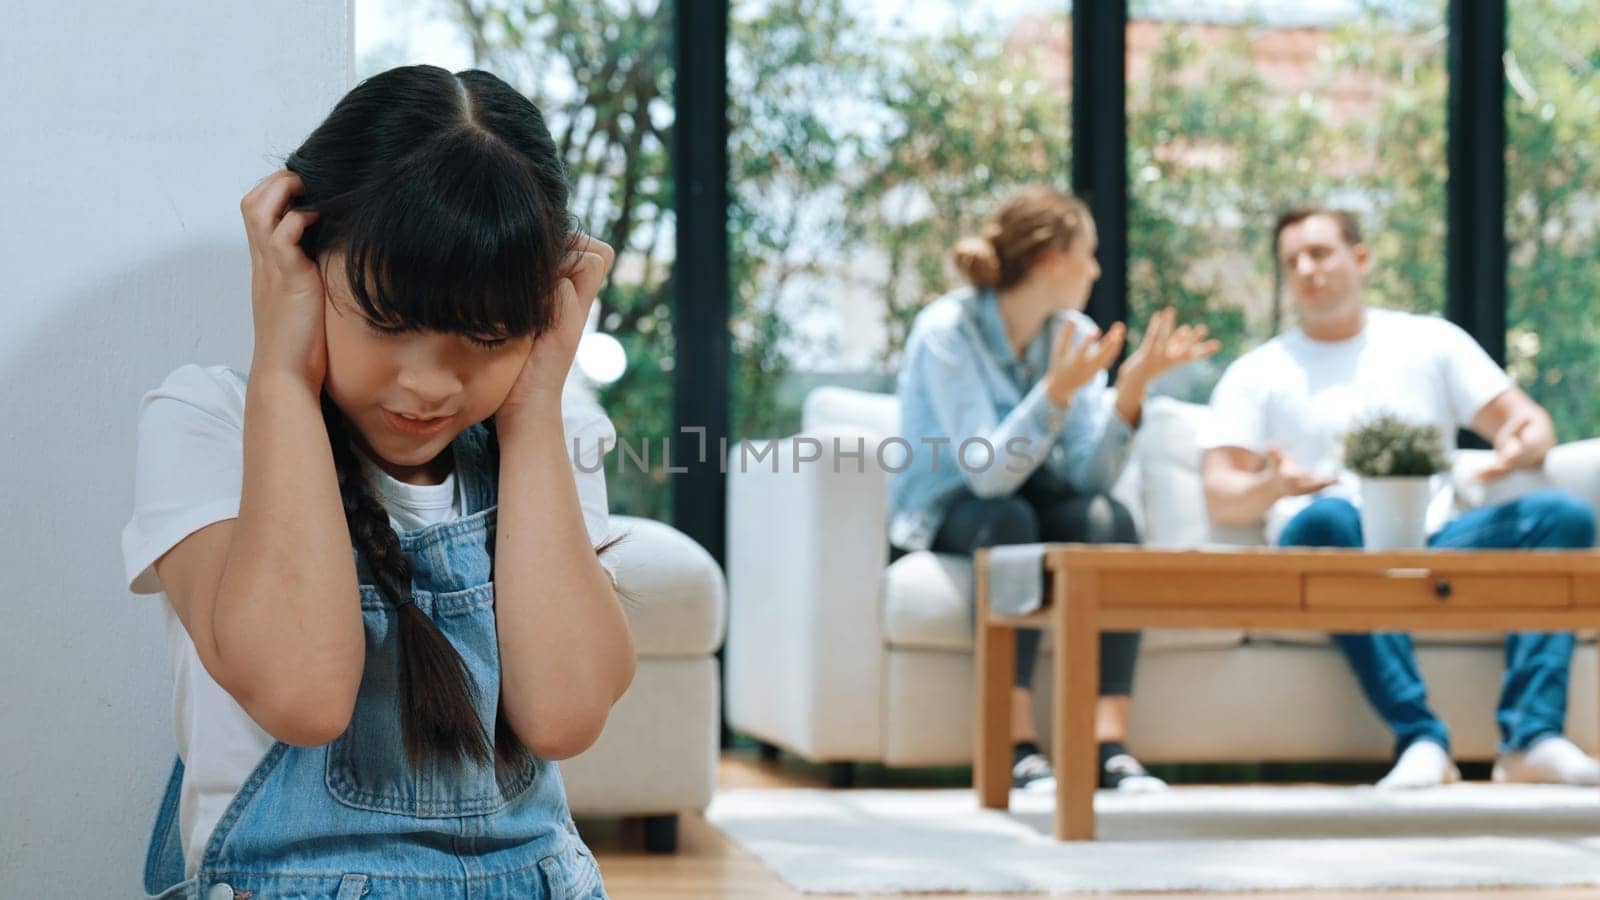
1533	695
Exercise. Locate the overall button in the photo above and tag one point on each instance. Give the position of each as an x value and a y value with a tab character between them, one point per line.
220	892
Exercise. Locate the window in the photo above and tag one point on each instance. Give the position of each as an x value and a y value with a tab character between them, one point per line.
1233	118
866	139
1553	208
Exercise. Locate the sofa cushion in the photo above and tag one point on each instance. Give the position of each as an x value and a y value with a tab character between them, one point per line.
673	592
1170	492
927	602
1574	467
877	414
927	605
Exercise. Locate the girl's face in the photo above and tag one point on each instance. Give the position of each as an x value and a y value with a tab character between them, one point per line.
377	379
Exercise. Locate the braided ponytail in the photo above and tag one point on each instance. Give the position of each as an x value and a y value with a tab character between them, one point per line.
438	715
508	748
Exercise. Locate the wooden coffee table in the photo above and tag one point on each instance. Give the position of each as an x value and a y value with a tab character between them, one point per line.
1095	588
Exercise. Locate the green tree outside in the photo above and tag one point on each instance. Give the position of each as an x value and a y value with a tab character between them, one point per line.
1553	208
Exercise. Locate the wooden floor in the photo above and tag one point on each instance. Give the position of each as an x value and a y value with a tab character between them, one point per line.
709	865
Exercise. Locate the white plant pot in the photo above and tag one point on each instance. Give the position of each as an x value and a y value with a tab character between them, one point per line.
1394	512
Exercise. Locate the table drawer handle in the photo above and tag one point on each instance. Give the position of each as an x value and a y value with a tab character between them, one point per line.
1442	589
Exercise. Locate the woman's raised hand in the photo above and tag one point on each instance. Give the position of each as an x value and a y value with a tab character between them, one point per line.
1165	347
286	290
1073	367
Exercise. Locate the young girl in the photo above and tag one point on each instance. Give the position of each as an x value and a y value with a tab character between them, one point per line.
386	609
1014	361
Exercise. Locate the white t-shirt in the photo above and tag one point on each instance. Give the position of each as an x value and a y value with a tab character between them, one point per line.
189	471
1303	395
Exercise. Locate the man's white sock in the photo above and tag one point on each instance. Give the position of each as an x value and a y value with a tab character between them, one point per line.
1554	760
1424	764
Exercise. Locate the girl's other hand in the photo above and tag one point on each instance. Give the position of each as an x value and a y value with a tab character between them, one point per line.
543	375
286	290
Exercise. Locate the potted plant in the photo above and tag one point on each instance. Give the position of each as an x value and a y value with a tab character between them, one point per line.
1396	461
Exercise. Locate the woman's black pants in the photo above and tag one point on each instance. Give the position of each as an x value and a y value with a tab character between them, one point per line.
1034	514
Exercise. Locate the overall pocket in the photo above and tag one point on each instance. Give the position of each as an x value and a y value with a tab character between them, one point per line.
367	766
573	874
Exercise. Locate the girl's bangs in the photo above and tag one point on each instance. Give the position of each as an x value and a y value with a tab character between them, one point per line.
456	248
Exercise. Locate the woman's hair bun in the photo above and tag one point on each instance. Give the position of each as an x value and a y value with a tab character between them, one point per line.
975	258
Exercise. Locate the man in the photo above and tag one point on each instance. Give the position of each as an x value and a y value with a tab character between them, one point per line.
1272	451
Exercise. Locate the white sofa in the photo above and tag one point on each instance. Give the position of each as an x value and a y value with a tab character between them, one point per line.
838	656
658	754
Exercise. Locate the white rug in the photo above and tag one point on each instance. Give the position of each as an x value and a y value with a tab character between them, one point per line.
1186	839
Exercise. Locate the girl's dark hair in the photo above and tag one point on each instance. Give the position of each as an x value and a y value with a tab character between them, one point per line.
447	196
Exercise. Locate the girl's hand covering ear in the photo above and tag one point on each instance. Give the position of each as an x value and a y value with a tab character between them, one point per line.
538	388
286	290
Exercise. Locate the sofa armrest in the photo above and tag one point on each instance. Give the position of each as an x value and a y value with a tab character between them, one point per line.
674	595
1573	467
806	553
1163	481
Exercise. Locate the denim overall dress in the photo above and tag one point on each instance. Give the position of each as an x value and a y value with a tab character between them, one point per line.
353	819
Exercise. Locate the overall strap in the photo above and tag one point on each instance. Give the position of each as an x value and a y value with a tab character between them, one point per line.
163	863
477	472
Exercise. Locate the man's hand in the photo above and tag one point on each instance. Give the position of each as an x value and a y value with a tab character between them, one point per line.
1511	452
1520	430
1293	479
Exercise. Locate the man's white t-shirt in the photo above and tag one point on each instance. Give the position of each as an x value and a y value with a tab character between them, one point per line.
188	474
1303	395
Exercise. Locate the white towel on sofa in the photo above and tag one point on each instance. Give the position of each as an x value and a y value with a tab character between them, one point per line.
1016	578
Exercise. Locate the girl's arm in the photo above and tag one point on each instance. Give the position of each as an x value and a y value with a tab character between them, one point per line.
566	653
270	599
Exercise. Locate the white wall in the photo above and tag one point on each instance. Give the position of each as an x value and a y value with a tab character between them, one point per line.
131	130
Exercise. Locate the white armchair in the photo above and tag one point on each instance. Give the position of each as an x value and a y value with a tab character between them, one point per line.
658	754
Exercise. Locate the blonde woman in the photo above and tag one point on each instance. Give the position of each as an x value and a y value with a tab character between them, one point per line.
1012	360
